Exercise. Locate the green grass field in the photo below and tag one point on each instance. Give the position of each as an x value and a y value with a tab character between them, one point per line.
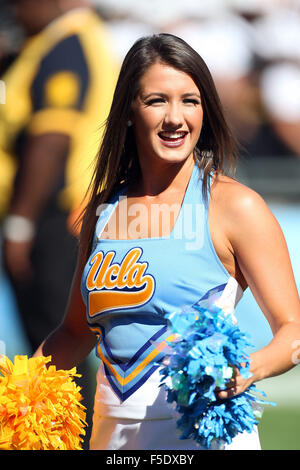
279	427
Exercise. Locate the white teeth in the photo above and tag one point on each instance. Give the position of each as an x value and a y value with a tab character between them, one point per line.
173	135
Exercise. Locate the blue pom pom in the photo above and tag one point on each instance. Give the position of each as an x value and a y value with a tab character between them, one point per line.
207	349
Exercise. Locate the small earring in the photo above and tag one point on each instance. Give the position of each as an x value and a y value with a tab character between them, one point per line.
129	123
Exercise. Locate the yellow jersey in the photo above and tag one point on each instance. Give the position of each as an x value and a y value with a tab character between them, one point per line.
62	82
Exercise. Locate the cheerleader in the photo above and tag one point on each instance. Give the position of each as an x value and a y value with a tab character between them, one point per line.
165	227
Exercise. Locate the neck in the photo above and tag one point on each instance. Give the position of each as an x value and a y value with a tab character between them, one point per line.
167	176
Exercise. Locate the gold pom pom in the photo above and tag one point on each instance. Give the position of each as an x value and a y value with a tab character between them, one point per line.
40	407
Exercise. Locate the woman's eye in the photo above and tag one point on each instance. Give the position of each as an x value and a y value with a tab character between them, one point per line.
154	101
191	101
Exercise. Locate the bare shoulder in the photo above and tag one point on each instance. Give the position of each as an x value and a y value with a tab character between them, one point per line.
229	190
236	199
241	211
243	228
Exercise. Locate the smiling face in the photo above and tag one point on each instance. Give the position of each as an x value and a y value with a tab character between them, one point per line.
167	115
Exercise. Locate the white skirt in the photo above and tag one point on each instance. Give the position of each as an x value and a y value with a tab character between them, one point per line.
145	421
156	434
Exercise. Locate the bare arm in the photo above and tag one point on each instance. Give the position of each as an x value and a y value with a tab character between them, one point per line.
72	341
260	248
42	166
44	162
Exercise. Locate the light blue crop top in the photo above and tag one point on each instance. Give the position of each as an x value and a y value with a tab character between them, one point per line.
129	285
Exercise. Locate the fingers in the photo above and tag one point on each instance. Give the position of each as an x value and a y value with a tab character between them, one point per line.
228	393
234	386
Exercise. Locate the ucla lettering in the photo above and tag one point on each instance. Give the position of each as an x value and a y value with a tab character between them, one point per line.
113	285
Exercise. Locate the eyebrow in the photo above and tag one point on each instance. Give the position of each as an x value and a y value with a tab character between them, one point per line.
186	95
164	95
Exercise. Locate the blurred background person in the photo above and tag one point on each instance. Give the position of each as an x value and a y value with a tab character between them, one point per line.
58	93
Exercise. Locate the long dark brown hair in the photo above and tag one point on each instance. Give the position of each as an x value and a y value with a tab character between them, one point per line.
117	160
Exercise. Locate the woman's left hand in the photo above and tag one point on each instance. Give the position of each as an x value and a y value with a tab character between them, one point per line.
234	386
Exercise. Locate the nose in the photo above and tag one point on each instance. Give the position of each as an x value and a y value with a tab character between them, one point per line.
173	117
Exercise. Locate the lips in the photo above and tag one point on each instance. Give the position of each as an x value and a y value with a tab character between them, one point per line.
172	139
